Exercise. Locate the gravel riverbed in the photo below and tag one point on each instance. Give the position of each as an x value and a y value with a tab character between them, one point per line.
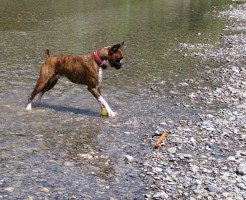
206	158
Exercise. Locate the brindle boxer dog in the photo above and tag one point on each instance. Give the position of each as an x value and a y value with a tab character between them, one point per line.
80	69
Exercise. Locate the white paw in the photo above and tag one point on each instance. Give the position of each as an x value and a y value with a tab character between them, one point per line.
112	114
29	106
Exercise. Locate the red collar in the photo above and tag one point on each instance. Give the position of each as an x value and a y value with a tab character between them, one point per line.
98	60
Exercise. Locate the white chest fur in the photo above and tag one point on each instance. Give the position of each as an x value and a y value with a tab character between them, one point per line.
100	75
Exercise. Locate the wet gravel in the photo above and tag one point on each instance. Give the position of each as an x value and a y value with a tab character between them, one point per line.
205	158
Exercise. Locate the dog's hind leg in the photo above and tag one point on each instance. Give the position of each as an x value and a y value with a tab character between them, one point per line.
38	88
40	85
50	84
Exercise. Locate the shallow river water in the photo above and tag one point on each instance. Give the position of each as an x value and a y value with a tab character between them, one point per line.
63	148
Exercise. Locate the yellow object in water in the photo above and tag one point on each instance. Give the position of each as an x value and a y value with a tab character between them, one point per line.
104	112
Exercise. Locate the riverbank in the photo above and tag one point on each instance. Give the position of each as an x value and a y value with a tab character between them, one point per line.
206	158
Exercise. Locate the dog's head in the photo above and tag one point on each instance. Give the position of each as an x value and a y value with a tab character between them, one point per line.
115	56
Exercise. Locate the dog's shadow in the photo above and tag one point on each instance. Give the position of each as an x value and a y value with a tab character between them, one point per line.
67	109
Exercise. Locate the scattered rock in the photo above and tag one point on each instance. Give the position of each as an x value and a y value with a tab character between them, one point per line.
241	169
29	198
172	150
44	189
161	195
213	188
243	153
157	169
68	164
129	159
86	156
231	158
8	189
184	84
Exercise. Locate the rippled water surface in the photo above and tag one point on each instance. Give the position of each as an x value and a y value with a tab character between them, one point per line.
62	148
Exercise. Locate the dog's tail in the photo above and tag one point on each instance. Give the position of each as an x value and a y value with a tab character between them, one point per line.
47	53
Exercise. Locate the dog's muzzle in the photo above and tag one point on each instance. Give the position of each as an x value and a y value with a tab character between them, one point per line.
118	63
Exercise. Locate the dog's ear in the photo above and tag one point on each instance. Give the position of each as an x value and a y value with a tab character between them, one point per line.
122	43
115	48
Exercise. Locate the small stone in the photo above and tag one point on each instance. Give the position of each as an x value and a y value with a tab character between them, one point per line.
187	129
194	168
197	191
187	155
163	124
107	187
210	116
242	137
8	189
68	164
193	141
198	182
44	189
157	169
184	84
129	159
231	158
243	153
29	198
225	194
213	188
174	92
241	186
172	150
72	197
86	156
161	195
241	169
210	128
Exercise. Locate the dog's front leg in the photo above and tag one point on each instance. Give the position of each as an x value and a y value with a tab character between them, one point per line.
101	101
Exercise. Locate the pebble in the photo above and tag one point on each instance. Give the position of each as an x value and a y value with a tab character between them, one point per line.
128	159
193	141
161	195
69	164
241	186
241	169
157	169
243	153
43	189
231	158
86	156
186	155
213	188
172	150
29	198
198	182
147	196
8	189
184	84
